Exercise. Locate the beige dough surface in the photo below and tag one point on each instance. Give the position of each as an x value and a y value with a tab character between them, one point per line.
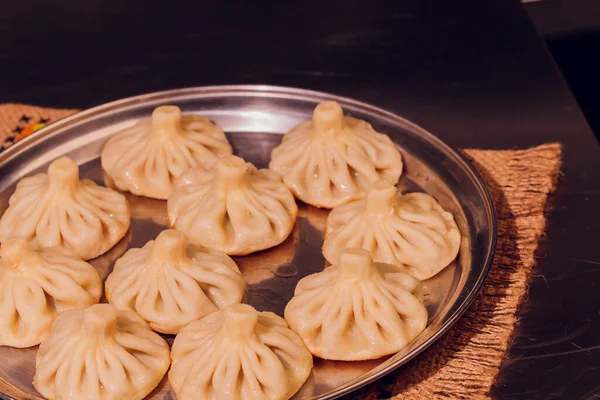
357	309
36	285
411	229
233	207
57	209
100	353
170	282
333	159
240	354
147	158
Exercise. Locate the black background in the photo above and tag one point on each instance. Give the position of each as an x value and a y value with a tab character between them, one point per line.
474	73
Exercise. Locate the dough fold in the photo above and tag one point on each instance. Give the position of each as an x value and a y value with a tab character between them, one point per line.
57	209
36	285
357	309
100	353
148	157
170	282
410	229
233	207
238	353
333	159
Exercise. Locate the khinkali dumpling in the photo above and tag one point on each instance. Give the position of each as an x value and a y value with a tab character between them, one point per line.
333	159
38	284
147	158
100	353
170	282
238	353
233	207
357	309
58	209
411	229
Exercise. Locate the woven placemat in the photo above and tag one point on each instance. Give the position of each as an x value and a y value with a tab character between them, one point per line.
464	363
18	121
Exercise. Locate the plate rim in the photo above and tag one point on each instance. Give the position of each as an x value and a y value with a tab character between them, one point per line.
263	90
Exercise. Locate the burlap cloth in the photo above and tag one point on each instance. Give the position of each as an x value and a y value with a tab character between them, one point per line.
466	361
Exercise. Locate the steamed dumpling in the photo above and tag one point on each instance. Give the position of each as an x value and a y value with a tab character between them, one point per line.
147	158
333	159
38	284
102	354
58	209
171	283
233	207
238	353
357	309
411	229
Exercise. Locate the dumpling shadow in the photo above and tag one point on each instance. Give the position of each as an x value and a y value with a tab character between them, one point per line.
163	389
104	263
272	274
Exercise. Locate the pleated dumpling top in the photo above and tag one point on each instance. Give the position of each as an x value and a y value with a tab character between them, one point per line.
36	285
357	309
241	354
58	209
410	229
147	158
233	207
333	159
100	353
170	282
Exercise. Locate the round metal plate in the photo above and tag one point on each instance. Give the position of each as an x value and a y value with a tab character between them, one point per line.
254	118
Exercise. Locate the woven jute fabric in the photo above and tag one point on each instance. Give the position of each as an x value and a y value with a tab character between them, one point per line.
464	363
18	121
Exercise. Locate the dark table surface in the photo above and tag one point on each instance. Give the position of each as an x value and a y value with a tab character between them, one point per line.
475	73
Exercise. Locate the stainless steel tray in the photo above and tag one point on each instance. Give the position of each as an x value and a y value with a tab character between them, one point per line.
254	118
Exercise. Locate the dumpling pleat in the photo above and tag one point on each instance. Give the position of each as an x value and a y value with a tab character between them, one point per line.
362	310
239	354
411	229
148	157
171	282
233	207
333	159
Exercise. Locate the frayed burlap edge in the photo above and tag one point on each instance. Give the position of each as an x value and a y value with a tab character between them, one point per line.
465	362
